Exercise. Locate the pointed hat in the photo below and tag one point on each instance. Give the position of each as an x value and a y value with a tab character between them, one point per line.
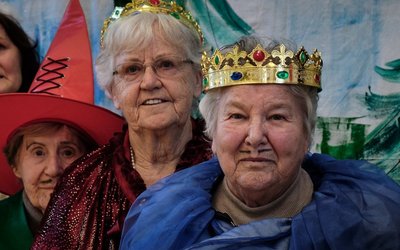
63	90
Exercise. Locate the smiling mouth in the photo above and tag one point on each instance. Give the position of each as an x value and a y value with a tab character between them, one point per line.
153	102
49	183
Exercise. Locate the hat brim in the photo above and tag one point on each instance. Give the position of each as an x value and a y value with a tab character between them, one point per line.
21	108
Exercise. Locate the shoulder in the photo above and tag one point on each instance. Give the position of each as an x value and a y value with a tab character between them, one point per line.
349	196
92	162
196	174
353	184
183	200
324	167
14	226
179	187
82	178
10	204
350	177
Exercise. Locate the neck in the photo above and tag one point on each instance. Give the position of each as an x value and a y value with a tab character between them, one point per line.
290	203
157	153
34	215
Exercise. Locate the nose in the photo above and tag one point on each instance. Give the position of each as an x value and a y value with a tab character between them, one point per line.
150	79
256	134
55	166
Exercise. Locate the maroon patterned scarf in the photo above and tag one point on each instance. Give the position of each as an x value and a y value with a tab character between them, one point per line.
91	200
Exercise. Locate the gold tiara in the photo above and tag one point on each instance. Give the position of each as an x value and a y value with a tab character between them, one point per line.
261	67
153	6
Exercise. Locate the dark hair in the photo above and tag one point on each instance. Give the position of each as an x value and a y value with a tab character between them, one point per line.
27	48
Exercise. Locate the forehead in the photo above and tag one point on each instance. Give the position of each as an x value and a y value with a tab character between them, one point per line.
258	96
155	48
3	34
4	38
47	132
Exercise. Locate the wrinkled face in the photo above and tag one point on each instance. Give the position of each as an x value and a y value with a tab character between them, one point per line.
10	64
42	159
259	139
155	101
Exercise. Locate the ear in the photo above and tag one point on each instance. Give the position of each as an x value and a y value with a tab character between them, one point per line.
116	102
198	86
306	146
111	94
213	147
15	169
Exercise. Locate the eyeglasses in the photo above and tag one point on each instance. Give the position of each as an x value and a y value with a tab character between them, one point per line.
165	68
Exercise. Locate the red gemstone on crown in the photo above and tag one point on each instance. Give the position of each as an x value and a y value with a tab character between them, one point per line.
317	78
258	55
155	2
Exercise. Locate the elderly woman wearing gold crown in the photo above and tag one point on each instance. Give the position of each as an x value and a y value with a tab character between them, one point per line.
150	66
264	190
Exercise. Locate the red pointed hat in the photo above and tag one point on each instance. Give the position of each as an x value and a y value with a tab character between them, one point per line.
63	91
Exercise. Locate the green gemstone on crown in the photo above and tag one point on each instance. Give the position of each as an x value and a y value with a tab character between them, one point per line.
216	60
205	81
176	15
282	74
303	57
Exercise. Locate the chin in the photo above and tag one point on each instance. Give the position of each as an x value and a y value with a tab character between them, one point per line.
162	122
255	181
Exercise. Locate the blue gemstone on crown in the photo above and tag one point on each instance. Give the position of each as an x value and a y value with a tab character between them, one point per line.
236	76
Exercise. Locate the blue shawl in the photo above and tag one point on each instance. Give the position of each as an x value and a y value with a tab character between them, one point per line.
354	206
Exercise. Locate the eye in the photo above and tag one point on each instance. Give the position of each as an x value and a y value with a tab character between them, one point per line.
132	69
166	64
236	116
69	152
277	117
38	152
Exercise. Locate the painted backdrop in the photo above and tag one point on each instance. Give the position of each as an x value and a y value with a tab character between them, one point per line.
359	108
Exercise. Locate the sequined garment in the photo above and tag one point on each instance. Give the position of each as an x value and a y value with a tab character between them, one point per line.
91	200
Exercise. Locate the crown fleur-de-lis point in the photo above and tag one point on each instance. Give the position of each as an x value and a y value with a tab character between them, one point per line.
316	57
282	54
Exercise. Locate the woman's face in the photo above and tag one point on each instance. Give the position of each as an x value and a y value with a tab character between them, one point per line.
260	141
10	64
151	101
42	159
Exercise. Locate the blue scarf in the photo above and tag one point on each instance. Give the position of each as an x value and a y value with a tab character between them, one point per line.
354	206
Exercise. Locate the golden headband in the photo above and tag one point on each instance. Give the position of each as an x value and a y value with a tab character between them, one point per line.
262	67
153	6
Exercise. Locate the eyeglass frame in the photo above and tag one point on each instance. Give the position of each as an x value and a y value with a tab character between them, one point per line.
179	63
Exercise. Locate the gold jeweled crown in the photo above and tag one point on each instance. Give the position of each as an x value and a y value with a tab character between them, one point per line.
153	6
261	67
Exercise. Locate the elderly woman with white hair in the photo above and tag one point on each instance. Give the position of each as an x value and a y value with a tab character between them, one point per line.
149	65
264	190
